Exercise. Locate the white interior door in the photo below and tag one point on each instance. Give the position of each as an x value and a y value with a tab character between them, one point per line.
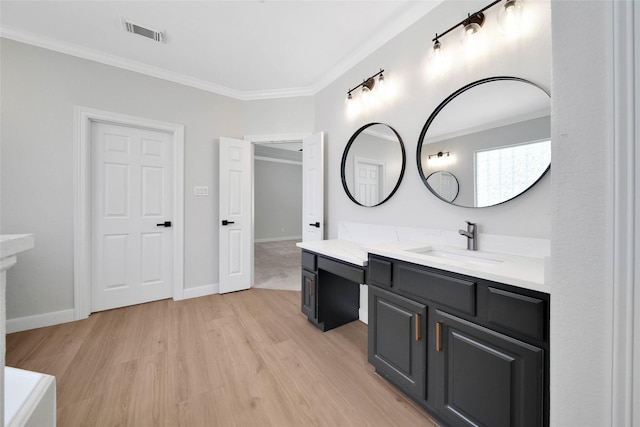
313	187
236	215
131	204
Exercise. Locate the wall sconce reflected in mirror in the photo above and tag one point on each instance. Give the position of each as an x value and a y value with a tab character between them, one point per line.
439	155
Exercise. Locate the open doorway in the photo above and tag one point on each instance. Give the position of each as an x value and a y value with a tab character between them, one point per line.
277	214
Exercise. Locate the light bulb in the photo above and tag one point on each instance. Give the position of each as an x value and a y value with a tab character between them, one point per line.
353	106
510	17
438	59
365	97
472	37
381	86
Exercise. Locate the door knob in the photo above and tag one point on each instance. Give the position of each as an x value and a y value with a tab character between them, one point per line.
164	224
225	222
317	225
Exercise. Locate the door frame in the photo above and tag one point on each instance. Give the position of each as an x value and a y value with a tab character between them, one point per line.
83	118
268	139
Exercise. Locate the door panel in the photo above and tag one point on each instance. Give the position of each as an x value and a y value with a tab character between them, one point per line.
236	215
486	378
313	187
397	340
131	192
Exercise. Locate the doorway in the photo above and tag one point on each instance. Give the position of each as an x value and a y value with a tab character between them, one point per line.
159	218
278	211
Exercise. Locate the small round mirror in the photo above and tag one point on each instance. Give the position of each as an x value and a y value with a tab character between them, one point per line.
493	135
373	164
444	185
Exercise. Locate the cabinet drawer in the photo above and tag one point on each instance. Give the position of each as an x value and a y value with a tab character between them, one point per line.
352	273
380	272
449	291
309	261
519	313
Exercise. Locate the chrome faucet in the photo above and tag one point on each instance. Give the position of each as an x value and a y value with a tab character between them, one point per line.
470	234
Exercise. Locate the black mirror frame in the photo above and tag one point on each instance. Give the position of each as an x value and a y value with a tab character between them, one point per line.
438	195
344	162
444	104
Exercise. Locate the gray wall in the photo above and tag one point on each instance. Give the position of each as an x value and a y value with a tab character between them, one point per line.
40	89
278	200
278	193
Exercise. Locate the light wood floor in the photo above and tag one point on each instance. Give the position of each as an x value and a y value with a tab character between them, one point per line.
248	358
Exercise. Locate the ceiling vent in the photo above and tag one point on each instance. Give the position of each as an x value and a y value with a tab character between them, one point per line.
142	31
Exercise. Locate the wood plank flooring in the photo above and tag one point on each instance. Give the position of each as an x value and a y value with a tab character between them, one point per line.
248	358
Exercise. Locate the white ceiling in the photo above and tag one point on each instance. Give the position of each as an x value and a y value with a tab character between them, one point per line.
244	49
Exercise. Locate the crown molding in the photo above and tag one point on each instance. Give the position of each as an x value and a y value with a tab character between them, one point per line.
149	70
374	43
386	34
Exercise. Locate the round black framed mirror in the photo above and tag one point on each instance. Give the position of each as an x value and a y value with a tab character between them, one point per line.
373	164
493	135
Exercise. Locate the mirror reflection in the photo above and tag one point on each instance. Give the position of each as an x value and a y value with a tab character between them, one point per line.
373	164
444	184
493	135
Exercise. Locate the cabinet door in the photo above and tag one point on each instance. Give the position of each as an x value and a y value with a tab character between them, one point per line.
309	295
397	340
485	378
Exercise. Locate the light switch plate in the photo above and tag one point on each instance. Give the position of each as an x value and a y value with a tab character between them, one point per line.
200	190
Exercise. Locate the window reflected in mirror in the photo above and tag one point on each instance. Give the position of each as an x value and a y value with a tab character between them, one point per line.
493	135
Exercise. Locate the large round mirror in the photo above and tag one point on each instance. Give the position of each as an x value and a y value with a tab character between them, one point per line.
493	135
373	164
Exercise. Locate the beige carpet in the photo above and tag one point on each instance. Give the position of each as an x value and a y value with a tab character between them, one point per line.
277	265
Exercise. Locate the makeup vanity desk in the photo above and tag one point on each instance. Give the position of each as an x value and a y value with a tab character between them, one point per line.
332	271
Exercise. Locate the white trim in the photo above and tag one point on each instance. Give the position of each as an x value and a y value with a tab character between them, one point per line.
82	202
624	368
149	70
201	291
274	160
387	33
277	137
384	35
40	320
363	310
277	239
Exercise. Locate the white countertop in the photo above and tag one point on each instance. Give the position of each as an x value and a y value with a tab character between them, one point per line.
12	244
522	271
344	250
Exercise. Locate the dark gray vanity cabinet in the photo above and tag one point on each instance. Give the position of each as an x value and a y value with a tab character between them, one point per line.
309	289
398	340
484	377
330	290
481	347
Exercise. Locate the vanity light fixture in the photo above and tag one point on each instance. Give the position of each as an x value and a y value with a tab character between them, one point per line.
508	17
439	154
367	85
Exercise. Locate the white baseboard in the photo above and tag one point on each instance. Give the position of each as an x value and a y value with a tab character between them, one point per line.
40	320
201	291
363	311
277	239
364	316
55	318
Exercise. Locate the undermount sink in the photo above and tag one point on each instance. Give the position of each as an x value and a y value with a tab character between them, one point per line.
455	255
